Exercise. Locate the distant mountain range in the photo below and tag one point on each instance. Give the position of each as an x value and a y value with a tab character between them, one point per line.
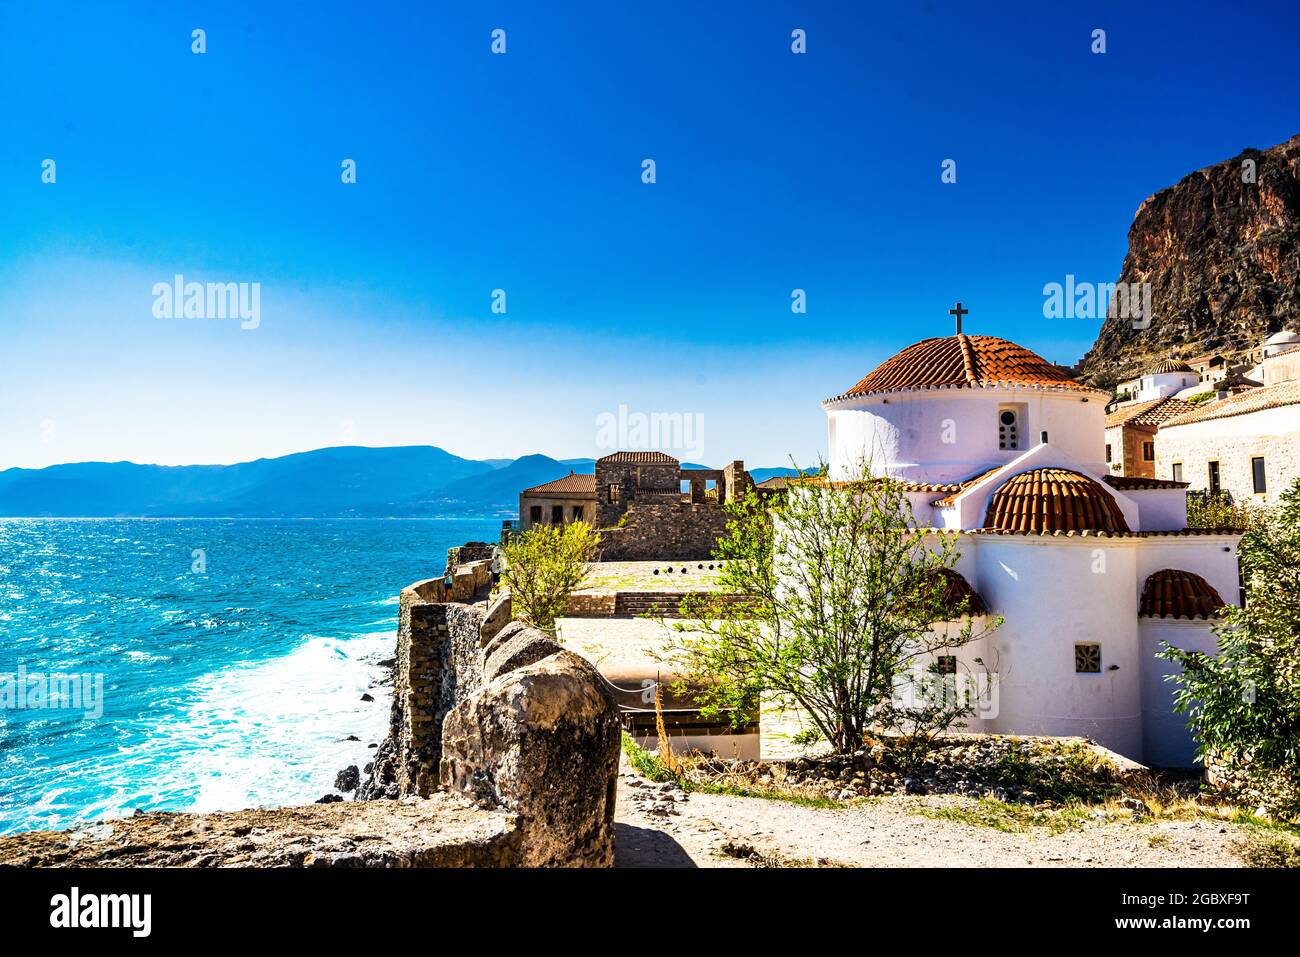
346	482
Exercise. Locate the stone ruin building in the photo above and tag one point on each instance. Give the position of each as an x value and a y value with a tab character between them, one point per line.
637	501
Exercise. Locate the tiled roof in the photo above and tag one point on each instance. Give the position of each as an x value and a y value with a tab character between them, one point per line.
1053	500
1244	403
963	361
958	590
640	458
1170	365
962	486
1173	593
906	485
571	484
1127	483
1093	533
1152	412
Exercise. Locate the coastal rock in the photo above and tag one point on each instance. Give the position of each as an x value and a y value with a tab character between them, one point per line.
349	779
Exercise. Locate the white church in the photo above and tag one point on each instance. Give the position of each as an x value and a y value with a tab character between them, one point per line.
1090	571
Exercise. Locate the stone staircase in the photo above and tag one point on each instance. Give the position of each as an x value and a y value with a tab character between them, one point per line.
664	604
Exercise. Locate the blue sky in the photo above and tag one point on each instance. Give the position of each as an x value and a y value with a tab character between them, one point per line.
522	172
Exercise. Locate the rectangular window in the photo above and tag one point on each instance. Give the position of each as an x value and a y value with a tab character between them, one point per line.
1177	471
1107	451
1087	659
577	513
1257	473
557	514
1148	451
535	514
947	664
1213	468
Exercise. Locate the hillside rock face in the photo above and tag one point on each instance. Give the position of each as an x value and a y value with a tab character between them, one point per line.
1223	259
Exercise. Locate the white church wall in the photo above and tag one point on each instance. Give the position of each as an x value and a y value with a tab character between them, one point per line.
1055	593
1159	509
1157	386
948	435
1167	741
974	660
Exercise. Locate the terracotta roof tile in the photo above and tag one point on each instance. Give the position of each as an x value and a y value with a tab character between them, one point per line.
1154	412
640	458
958	590
905	484
1128	483
962	486
963	361
1053	500
1092	533
571	484
1170	365
1173	593
1254	400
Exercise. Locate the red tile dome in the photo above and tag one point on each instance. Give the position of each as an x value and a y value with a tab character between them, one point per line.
1174	593
1053	500
963	361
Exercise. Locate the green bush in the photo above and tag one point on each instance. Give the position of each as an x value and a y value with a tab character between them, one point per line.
544	566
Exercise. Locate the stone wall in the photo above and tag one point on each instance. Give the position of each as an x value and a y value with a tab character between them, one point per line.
505	716
1273	434
572	508
590	605
1125	443
467	553
677	530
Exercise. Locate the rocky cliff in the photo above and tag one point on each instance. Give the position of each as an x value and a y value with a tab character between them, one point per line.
1221	250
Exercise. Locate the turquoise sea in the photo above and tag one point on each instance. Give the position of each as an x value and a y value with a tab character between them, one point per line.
232	654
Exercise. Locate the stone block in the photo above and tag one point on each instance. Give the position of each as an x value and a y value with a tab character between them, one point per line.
499	614
542	740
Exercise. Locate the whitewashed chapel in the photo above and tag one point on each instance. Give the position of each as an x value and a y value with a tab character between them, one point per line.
1090	571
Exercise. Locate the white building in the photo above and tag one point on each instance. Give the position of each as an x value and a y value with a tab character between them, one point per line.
1246	445
1170	377
1089	570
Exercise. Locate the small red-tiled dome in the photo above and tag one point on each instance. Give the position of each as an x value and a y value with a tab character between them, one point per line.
957	590
963	361
1053	500
1171	365
1174	593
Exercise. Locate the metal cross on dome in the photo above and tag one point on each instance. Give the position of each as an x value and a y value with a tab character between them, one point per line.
958	312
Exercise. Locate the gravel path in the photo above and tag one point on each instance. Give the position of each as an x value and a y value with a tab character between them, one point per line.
887	833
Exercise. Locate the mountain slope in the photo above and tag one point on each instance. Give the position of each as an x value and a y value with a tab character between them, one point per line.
344	482
499	490
1223	260
337	481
